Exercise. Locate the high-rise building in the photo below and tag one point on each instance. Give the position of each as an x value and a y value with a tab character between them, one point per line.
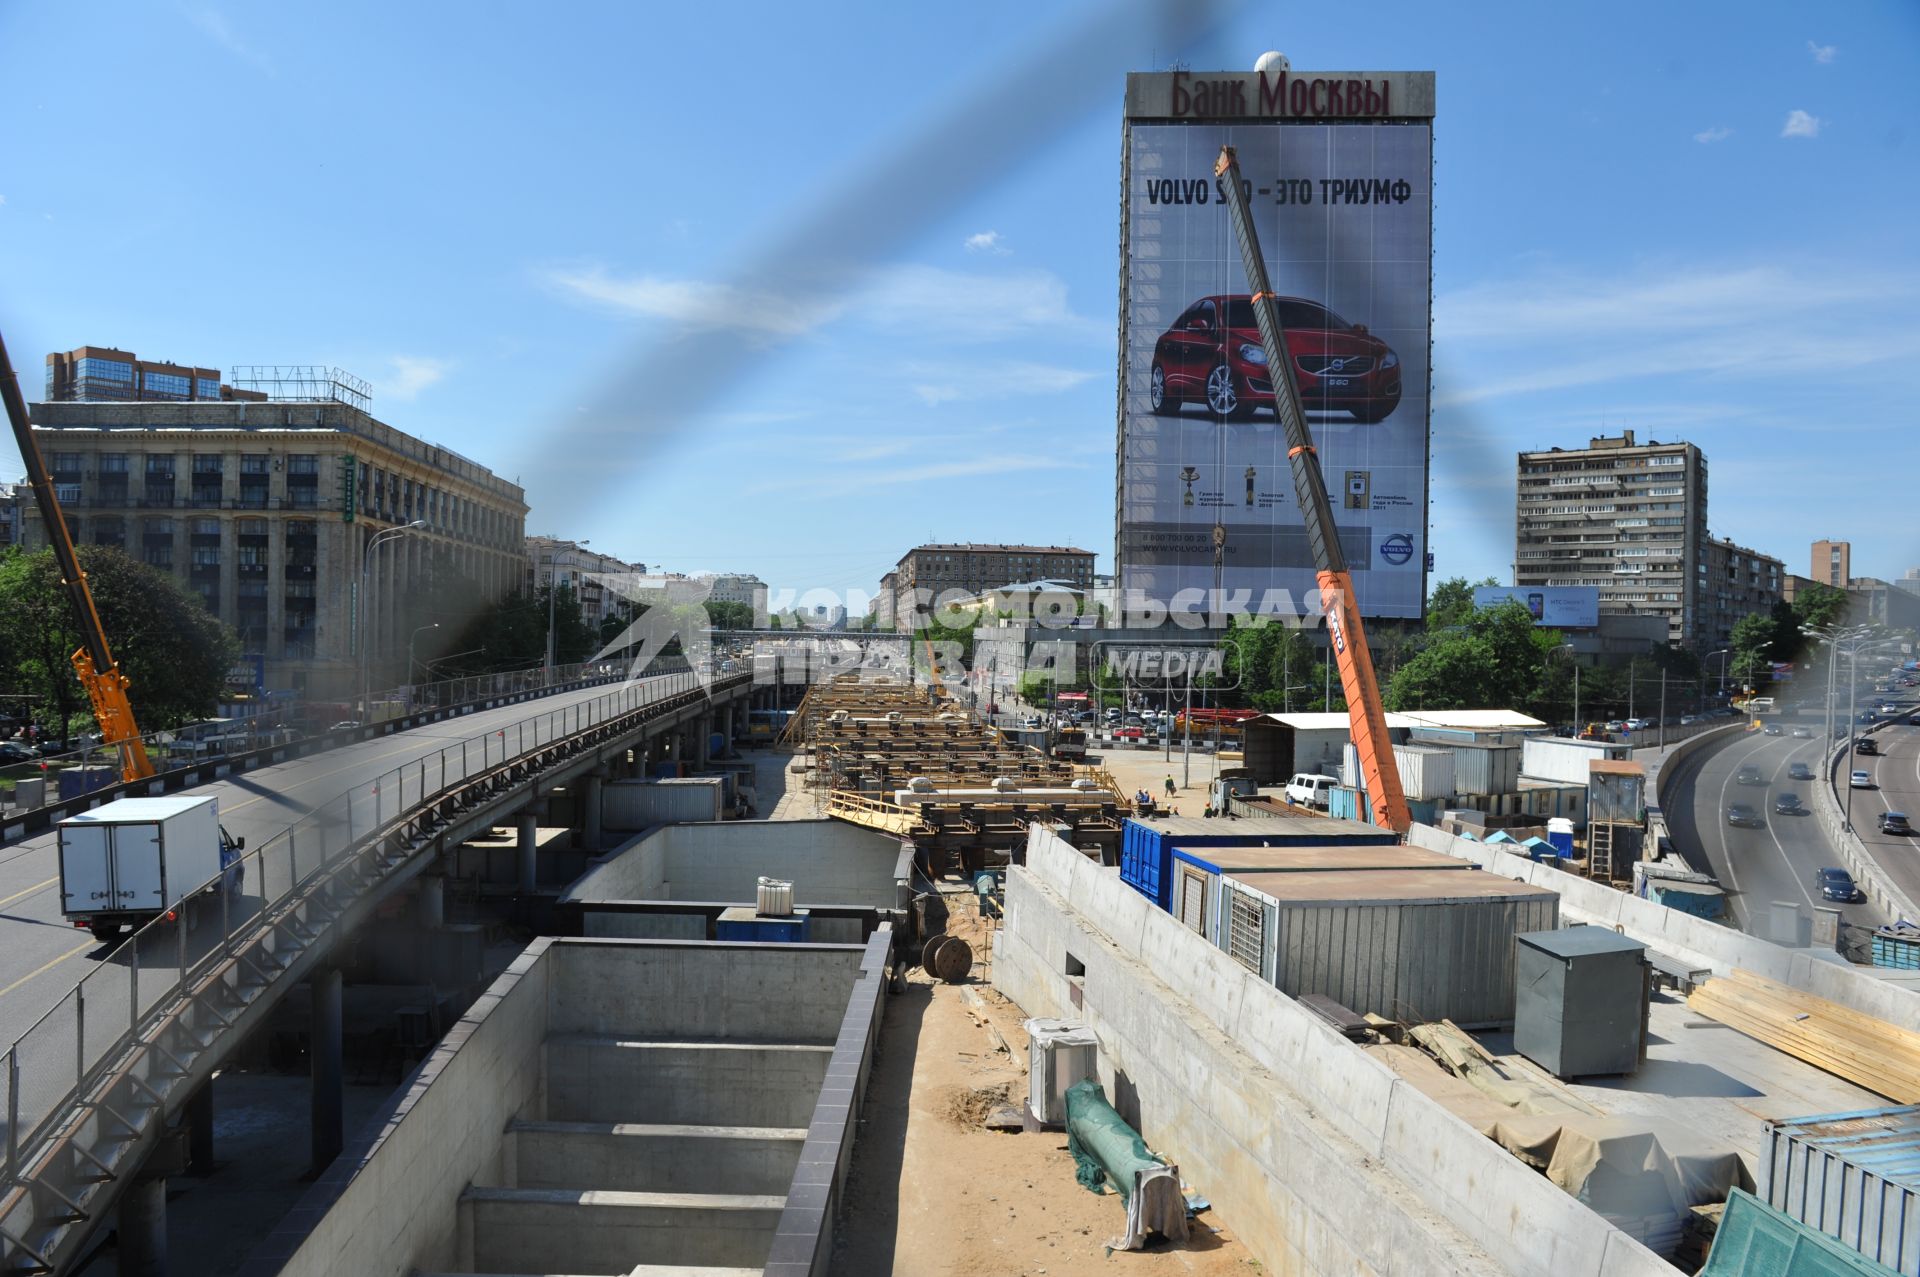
103	374
268	511
1627	517
1833	563
1739	583
973	569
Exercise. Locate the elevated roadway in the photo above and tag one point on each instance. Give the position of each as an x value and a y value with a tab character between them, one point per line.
1896	776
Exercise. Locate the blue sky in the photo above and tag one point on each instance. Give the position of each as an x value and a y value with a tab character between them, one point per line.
886	238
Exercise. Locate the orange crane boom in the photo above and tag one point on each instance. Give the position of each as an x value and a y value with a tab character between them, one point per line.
1345	634
93	661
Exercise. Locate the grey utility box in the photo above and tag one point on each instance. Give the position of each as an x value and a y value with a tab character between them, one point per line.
1581	1000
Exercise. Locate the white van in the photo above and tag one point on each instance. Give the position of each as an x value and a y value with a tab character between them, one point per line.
1310	790
1760	705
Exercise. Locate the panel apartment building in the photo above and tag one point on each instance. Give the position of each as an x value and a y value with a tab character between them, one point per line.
1627	517
267	510
1740	583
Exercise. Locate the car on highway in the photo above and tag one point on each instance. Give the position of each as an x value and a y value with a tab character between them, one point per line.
1837	884
1774	729
1745	816
1639	724
345	725
1861	780
1865	745
1803	733
1894	822
1799	771
13	751
1213	357
1788	805
1749	775
1616	725
1913	720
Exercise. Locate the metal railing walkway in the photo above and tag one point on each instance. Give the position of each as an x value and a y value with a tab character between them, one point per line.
89	1087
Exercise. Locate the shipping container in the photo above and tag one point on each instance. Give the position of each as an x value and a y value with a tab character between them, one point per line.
1197	871
1563	759
1853	1176
1408	944
1486	769
628	805
1146	844
1426	771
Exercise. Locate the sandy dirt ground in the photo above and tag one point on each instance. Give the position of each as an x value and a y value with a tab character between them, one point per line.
1149	769
934	1194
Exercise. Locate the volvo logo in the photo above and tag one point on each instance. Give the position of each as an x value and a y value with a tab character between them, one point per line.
1397	549
1336	365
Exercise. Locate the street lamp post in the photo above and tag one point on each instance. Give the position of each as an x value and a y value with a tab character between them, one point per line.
418	630
1723	653
366	611
1573	660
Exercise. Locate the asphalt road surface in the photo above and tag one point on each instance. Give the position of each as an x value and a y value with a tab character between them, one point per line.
1896	775
1760	866
42	955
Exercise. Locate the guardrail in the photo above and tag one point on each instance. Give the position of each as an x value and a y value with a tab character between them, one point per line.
108	1017
1829	810
26	820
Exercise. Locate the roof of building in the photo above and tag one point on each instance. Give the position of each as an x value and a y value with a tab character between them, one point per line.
1470	719
977	547
1390	886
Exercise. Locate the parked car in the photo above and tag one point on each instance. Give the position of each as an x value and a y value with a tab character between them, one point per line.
1799	771
1128	733
1894	822
1309	789
1803	733
345	725
1688	720
1837	884
1616	725
1749	775
1212	356
1788	805
1745	816
1861	780
12	751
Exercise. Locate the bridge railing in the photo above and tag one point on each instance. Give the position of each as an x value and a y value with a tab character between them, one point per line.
53	1062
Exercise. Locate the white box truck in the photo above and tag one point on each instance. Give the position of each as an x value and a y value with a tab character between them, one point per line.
131	860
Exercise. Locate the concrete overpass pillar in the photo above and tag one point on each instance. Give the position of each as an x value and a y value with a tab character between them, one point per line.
703	739
200	1130
529	851
433	901
591	797
143	1228
323	1053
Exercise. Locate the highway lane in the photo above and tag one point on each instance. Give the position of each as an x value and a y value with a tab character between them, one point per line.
42	956
1896	774
1756	866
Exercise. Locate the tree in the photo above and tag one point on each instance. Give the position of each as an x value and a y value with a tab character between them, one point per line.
729	616
174	653
1452	602
1496	659
1818	606
1273	665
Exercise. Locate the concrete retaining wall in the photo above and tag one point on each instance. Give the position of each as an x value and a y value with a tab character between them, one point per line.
827	861
1322	1158
1695	941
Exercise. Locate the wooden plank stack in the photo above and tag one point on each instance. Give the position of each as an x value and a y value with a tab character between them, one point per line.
1870	1053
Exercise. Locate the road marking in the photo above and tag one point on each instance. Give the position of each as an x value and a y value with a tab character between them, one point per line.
38	971
38	886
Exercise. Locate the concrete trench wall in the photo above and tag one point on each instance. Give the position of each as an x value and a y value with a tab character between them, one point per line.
1696	941
828	862
1320	1157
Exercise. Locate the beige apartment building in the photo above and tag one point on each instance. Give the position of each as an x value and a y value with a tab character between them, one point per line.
269	510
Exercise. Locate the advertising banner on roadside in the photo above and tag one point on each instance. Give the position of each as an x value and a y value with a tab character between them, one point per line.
1206	494
1559	607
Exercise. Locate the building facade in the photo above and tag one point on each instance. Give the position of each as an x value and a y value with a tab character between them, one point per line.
1740	583
13	499
1832	563
734	587
929	571
103	374
585	572
268	511
1627	517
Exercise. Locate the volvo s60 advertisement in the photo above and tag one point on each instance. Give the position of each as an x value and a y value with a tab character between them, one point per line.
1343	213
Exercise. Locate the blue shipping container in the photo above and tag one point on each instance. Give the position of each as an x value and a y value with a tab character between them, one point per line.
794	929
1146	847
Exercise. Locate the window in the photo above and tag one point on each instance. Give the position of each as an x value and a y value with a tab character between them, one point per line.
1666	461
113	463
106	370
205	463
206	527
160	466
166	385
254	463
66	463
206	387
303	465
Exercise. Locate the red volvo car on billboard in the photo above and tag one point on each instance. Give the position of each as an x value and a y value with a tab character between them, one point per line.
1212	356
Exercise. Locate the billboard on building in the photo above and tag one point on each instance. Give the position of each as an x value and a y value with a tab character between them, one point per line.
1559	607
1340	176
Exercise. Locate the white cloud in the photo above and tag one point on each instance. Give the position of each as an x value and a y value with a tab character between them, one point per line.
993	381
1823	53
216	27
1800	124
925	300
1554	330
1718	133
987	242
413	374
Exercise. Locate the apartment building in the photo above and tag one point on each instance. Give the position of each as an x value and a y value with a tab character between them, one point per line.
1739	583
1833	563
591	576
1626	517
974	569
269	512
105	374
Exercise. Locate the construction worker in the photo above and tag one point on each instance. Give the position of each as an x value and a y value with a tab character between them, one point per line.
1171	788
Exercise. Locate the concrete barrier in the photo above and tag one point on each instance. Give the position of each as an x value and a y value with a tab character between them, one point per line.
1866	871
1323	1159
